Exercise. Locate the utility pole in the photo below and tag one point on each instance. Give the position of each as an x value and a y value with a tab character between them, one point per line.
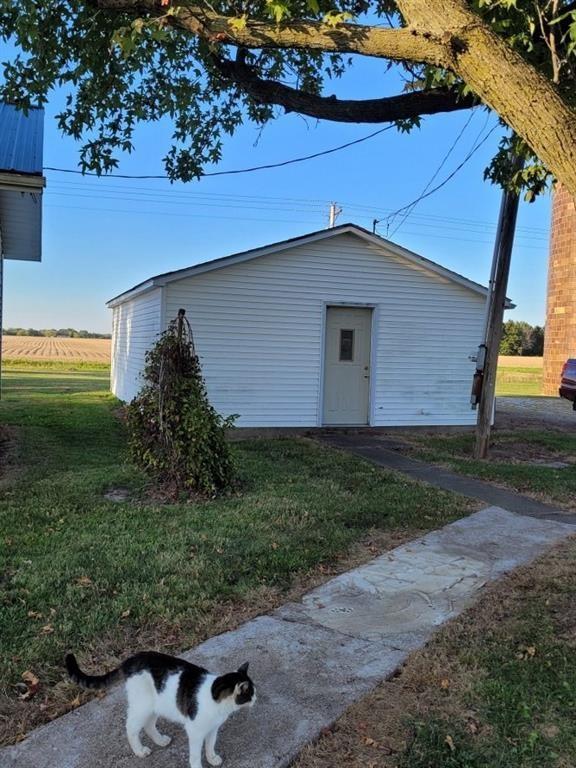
335	211
496	303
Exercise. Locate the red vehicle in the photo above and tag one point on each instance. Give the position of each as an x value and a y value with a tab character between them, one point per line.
568	382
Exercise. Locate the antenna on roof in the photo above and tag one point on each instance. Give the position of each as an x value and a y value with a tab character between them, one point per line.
335	211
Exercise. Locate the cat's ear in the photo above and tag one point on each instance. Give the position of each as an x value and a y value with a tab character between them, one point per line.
243	670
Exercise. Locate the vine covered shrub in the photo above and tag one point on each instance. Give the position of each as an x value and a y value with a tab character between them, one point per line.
175	434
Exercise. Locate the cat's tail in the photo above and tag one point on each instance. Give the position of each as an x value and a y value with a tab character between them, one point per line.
90	681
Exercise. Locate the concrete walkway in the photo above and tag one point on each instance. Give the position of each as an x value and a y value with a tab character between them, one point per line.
379	451
310	660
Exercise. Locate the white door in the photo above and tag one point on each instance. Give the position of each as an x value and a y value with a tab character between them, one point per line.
347	366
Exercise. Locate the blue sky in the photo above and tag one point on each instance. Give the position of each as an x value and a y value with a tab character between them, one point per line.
102	236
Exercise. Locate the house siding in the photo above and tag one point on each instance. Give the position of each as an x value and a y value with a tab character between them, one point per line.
259	327
135	326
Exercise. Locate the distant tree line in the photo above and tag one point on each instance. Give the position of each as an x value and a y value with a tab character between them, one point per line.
521	338
64	333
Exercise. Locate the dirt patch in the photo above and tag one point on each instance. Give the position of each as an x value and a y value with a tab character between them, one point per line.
435	683
58	696
528	453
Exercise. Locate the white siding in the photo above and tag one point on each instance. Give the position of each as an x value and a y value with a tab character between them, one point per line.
259	329
135	326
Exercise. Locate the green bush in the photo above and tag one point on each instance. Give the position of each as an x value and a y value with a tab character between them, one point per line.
175	434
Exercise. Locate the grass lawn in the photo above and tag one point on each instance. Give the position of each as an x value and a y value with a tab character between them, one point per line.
517	456
495	688
86	574
519	380
517	460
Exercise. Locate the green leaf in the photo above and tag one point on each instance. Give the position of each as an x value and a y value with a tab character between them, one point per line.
333	18
278	10
238	22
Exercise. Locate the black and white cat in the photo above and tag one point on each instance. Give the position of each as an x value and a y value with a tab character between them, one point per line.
158	685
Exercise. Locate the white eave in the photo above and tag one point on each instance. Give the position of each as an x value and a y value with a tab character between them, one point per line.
21	216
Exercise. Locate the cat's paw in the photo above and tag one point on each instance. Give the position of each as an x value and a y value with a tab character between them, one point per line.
163	740
214	760
144	752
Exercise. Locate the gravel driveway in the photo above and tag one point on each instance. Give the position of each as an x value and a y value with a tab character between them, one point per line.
543	411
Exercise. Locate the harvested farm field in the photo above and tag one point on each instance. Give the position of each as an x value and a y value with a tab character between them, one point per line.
43	348
518	361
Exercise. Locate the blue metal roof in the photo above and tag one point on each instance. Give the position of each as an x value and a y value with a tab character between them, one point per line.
21	140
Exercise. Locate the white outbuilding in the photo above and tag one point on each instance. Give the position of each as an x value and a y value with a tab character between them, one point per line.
334	328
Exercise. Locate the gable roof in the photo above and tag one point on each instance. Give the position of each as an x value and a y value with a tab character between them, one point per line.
22	138
323	234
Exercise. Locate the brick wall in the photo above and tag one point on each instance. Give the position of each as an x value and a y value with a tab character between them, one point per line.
560	340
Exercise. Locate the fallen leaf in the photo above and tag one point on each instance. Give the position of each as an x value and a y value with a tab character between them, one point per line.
370	742
125	614
47	629
526	652
32	685
84	581
445	683
35	615
450	741
473	726
75	702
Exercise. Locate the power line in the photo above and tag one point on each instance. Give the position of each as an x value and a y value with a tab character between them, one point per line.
224	217
235	170
174	200
156	195
436	172
450	176
201	204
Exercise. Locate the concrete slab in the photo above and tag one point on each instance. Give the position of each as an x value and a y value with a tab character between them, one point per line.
305	678
402	596
311	660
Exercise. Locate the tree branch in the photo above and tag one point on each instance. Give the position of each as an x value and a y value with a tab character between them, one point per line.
395	44
444	33
403	107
